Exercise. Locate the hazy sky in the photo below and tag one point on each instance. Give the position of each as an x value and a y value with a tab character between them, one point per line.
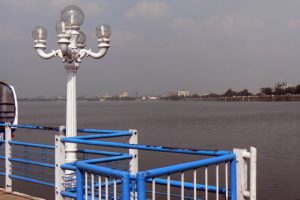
157	46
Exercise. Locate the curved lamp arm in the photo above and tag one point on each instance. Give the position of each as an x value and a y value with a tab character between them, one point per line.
84	52
41	52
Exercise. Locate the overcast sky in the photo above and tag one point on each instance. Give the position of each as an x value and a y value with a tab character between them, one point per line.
157	46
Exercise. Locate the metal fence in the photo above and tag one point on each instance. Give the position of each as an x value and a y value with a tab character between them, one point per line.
99	174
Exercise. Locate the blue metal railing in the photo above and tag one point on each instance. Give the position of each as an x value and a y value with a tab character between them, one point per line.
153	174
97	176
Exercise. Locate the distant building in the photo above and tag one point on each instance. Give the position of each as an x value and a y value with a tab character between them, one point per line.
123	95
183	93
284	85
179	93
151	98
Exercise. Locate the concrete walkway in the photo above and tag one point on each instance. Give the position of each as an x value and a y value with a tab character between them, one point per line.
16	196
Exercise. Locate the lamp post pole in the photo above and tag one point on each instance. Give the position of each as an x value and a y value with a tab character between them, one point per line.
71	50
71	113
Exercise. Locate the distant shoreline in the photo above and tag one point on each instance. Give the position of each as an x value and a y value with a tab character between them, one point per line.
266	98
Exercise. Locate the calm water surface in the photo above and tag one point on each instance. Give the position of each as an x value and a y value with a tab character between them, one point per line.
272	127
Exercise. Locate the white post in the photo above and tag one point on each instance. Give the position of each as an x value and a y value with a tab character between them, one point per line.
243	191
71	114
133	164
60	158
8	168
253	168
241	173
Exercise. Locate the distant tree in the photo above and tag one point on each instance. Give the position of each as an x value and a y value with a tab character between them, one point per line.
244	92
229	93
266	91
279	91
213	95
290	90
297	89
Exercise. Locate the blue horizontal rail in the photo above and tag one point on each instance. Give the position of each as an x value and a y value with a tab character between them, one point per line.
27	144
111	135
69	194
32	162
32	180
69	167
98	152
107	159
28	126
146	147
101	131
100	169
187	166
72	166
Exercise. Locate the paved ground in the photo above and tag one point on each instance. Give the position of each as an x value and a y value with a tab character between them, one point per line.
9	196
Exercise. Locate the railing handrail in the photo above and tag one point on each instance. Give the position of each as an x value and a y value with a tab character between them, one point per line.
152	173
146	147
50	128
28	144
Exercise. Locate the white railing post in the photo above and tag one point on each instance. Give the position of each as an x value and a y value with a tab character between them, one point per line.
241	173
133	164
243	191
60	158
253	168
8	154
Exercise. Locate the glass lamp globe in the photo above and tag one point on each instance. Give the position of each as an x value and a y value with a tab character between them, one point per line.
81	39
62	27
103	31
73	15
39	33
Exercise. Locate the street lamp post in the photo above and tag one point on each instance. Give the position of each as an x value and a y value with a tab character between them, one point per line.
71	50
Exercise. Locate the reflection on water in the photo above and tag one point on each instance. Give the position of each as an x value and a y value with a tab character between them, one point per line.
272	127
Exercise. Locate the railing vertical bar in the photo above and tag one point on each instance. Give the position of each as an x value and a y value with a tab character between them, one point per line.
141	185
168	189
86	184
43	160
195	184
8	155
115	189
182	186
106	188
79	186
92	186
99	187
206	183
153	189
226	180
217	182
26	158
233	185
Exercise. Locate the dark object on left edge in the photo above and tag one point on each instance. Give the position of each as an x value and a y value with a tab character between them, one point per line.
8	106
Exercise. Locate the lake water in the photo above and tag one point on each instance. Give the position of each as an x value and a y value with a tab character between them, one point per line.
272	127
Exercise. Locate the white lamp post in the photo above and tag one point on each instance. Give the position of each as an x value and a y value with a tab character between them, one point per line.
71	50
